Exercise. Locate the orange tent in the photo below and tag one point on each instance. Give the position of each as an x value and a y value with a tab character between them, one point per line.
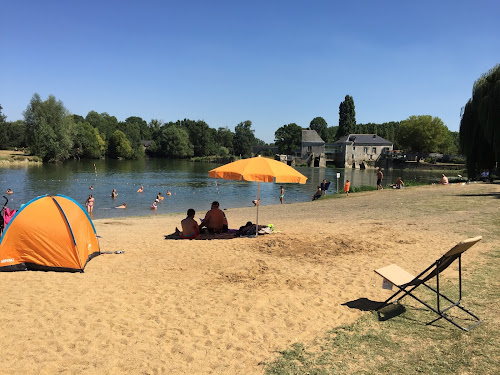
49	233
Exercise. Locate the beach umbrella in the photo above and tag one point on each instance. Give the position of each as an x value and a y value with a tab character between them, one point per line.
258	169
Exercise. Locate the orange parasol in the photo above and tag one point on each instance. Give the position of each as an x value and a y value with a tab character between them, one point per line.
258	169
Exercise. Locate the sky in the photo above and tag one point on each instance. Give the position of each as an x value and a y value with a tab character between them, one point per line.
271	62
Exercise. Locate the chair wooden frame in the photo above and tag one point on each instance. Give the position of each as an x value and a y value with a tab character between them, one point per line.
407	283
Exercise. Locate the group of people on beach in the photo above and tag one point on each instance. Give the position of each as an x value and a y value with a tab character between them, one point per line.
215	221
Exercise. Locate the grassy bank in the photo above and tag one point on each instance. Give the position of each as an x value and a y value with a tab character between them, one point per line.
16	157
404	343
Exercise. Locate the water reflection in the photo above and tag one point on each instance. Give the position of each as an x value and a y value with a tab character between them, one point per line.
189	183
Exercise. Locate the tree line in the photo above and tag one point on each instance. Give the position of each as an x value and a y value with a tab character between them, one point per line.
50	132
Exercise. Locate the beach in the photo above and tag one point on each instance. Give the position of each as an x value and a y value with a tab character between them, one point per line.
229	306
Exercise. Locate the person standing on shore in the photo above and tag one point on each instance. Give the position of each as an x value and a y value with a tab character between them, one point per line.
347	186
380	177
89	203
282	194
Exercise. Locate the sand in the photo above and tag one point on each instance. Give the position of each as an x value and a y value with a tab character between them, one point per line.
229	306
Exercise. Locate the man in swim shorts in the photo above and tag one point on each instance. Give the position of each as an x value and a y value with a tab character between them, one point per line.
380	177
215	220
190	228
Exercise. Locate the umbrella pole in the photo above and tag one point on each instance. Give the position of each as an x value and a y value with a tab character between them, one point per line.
258	204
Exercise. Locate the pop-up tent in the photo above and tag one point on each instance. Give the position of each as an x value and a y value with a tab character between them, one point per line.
49	233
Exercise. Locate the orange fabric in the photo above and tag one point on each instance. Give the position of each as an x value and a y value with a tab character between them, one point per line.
347	186
258	169
40	234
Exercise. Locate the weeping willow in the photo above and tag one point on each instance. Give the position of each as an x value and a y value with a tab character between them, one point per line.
480	124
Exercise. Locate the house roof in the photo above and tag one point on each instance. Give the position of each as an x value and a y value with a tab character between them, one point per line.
364	139
311	136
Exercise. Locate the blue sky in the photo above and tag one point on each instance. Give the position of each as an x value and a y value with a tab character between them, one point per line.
270	62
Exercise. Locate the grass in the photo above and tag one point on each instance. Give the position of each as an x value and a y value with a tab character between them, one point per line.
404	344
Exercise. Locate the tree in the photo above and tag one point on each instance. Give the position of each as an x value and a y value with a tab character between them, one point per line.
144	130
200	136
174	142
4	133
243	139
331	134
288	138
319	124
133	132
225	138
347	117
424	134
119	146
480	124
87	141
49	128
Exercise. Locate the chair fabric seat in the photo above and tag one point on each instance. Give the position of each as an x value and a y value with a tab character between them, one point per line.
395	274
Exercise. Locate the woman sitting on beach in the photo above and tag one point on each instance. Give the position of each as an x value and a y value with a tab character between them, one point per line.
190	228
399	184
124	205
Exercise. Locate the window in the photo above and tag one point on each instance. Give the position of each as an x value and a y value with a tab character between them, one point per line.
365	150
374	150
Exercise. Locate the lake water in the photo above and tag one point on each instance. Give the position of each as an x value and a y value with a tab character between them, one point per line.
189	183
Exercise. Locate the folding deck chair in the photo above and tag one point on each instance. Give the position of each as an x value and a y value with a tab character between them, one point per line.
407	283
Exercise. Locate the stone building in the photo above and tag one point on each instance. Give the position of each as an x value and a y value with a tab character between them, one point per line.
358	150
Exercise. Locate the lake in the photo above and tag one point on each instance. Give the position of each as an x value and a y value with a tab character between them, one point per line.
189	183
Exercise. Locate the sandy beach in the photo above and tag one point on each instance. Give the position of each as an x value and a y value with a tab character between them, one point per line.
229	306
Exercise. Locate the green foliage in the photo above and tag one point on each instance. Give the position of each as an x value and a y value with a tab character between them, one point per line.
331	134
49	128
387	130
119	146
87	142
174	142
480	124
243	139
424	134
225	138
201	136
288	138
347	117
319	124
132	131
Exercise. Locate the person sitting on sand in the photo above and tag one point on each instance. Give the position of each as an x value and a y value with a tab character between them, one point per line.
114	194
215	220
444	180
399	184
317	195
89	203
124	205
141	189
168	192
190	228
9	191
